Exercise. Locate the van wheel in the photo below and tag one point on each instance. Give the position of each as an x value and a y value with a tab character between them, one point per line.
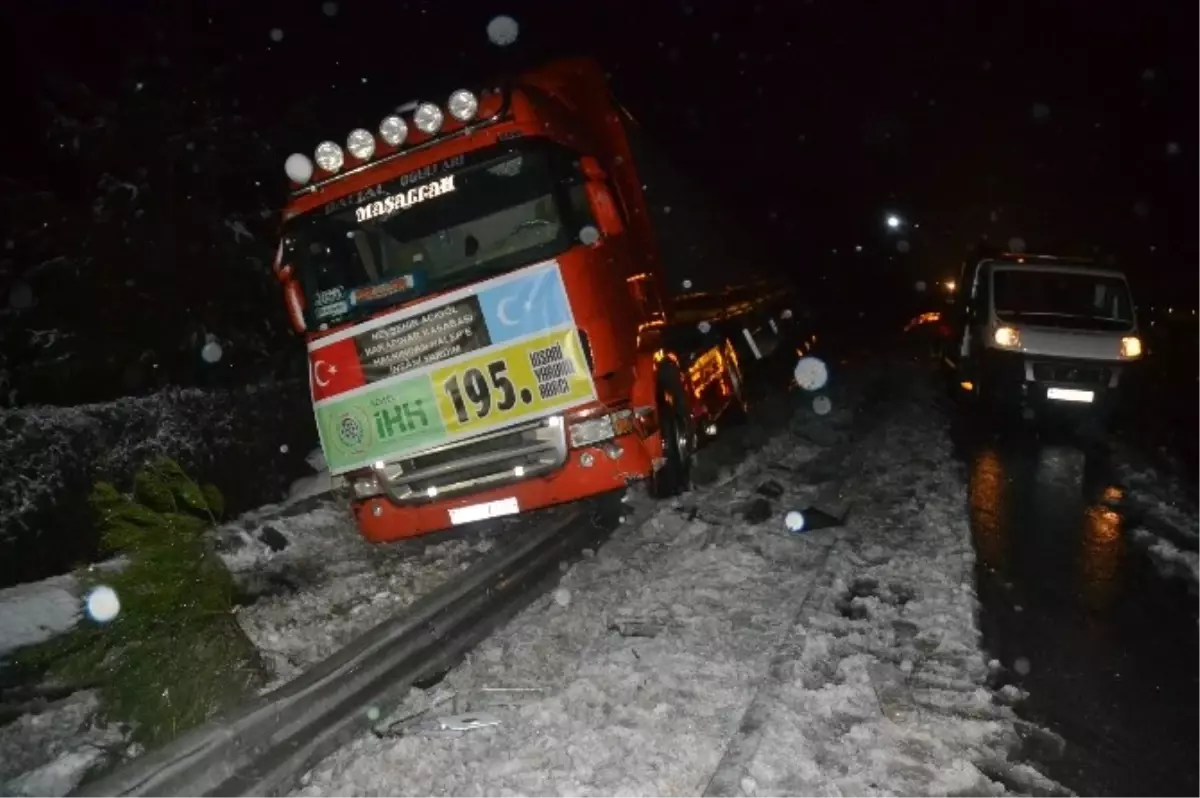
675	476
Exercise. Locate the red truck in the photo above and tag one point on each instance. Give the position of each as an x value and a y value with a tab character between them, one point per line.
483	300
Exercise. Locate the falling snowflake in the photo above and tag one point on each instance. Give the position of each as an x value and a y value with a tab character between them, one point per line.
811	373
1021	666
503	30
211	352
330	9
588	235
299	168
276	35
920	286
902	246
1148	74
1141	209
1173	148
994	216
1016	244
21	296
103	604
562	597
373	714
821	405
704	327
283	448
1041	111
687	284
794	521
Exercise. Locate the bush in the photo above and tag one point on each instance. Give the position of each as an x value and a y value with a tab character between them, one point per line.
174	655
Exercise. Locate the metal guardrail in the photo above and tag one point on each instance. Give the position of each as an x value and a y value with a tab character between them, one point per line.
264	749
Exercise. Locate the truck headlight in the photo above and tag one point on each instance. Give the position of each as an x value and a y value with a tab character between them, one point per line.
602	428
1007	337
329	156
393	130
463	105
1131	347
367	486
361	144
428	118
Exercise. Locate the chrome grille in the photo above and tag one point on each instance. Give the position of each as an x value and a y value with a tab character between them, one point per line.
483	462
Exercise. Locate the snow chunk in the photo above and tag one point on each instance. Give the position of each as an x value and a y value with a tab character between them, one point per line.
503	30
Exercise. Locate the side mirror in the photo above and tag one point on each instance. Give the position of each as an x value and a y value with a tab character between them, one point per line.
293	298
604	208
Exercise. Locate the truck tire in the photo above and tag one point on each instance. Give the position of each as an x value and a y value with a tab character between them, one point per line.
678	439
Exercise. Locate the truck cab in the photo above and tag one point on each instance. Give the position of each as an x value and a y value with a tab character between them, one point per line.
481	295
1038	332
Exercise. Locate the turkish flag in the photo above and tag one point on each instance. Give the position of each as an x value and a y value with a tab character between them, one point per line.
334	369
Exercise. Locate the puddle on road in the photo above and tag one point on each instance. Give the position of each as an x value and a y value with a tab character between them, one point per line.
1112	648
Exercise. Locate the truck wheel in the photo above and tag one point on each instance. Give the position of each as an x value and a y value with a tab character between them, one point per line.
677	441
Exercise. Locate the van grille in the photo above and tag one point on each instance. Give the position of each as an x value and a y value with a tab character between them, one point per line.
1068	372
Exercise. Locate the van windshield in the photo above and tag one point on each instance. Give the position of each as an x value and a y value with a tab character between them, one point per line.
1076	300
444	226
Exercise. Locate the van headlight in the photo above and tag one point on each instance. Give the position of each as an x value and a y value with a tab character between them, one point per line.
1007	337
1131	347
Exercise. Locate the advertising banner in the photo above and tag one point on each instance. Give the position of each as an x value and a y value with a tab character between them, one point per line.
463	364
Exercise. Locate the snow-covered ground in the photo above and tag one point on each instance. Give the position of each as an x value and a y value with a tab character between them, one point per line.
313	583
705	647
1170	527
319	584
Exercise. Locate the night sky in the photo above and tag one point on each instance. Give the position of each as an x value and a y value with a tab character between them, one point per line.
1071	125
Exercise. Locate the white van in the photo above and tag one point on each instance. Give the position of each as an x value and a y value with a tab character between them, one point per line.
1037	331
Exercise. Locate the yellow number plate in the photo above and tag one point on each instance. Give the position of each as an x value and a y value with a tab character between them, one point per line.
525	380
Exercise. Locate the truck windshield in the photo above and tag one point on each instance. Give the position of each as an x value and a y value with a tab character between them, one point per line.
1062	299
438	229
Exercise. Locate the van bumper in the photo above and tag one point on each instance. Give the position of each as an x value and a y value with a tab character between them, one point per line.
1017	379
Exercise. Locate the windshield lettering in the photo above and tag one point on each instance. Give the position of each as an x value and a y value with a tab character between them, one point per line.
406	199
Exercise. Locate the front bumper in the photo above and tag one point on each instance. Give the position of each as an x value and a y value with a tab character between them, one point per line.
1027	381
384	518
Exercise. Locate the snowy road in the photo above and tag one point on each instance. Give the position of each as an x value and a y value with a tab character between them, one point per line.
1108	635
705	648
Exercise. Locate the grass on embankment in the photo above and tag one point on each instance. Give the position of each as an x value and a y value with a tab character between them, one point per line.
174	655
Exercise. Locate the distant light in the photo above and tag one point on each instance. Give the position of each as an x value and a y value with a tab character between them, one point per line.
951	286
